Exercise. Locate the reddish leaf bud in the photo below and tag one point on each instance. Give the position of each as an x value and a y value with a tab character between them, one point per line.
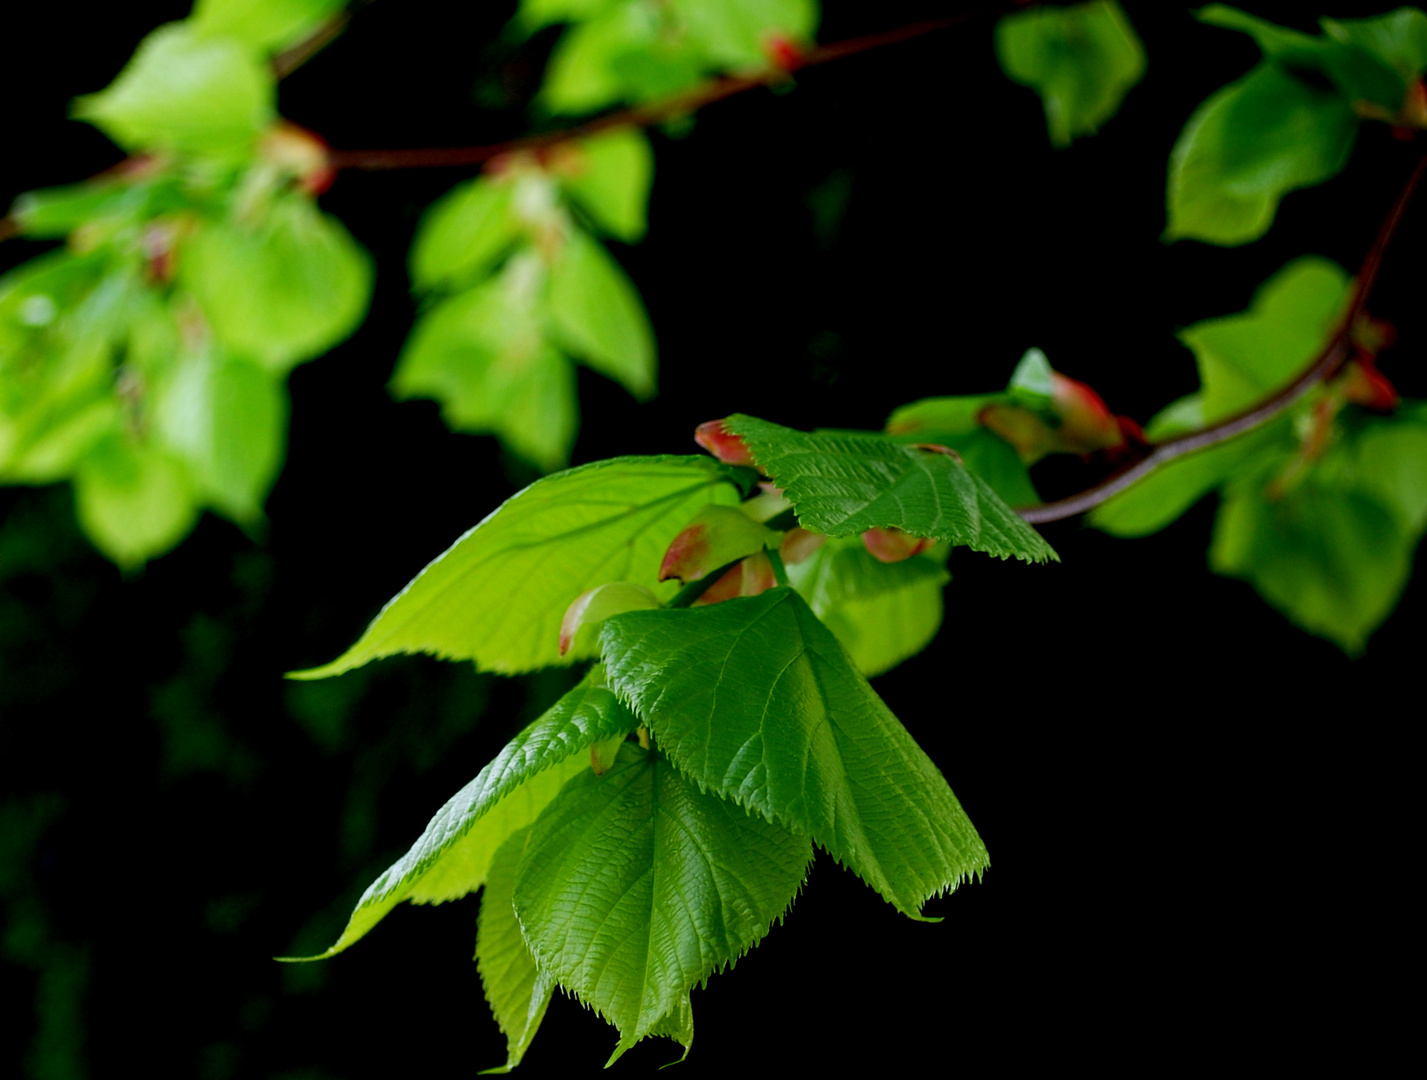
716	536
892	545
723	444
1086	425
800	544
593	607
1032	437
750	577
784	54
1363	384
302	153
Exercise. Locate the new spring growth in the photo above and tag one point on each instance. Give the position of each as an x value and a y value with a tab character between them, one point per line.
748	577
723	444
891	545
1079	422
583	617
716	537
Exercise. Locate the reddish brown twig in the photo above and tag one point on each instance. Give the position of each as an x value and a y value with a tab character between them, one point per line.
690	101
1328	363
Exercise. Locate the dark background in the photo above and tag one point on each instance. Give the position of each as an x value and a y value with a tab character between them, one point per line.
1197	815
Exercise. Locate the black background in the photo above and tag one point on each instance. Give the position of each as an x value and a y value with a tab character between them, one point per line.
1196	814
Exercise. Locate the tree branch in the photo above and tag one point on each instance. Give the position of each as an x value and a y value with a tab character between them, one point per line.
690	101
1328	363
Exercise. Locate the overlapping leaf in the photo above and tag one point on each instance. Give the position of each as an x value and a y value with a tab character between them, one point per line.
844	484
517	991
758	702
882	613
498	594
454	852
637	886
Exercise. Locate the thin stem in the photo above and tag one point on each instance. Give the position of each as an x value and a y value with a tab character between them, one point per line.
690	101
1328	363
780	572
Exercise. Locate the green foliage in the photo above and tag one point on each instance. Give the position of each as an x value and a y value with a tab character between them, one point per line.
1322	510
756	700
497	595
1246	147
263	24
845	484
1081	59
637	886
1276	130
455	851
520	290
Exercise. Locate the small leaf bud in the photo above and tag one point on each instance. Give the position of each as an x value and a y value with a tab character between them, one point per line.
716	536
750	577
723	444
891	545
799	544
593	607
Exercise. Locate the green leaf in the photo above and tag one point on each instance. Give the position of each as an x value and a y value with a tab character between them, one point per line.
454	852
637	886
715	537
612	182
464	234
264	24
734	34
537	13
758	702
1398	39
517	991
1246	147
498	594
597	314
1033	382
1162	497
1388	461
134	501
186	92
1243	358
1334	562
584	72
282	289
483	356
849	483
227	418
1276	41
1081	59
883	613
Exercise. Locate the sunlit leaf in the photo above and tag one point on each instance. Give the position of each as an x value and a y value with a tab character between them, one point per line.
263	24
598	316
734	34
134	501
847	483
227	418
187	92
612	181
1246	147
1081	59
281	289
463	234
757	701
454	852
636	886
498	594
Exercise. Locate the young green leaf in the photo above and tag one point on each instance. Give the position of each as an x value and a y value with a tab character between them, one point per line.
1333	561
282	289
758	702
1081	59
515	988
611	181
598	316
1246	147
882	613
636	886
134	501
264	24
848	483
464	234
1398	39
586	70
186	92
454	852
227	418
735	34
498	594
1243	358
